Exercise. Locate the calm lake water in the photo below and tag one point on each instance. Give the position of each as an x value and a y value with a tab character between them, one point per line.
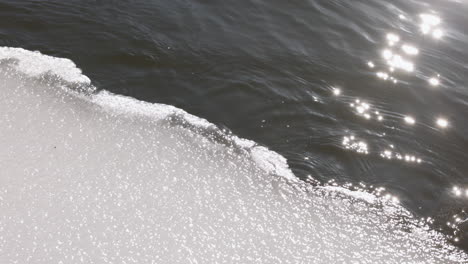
355	93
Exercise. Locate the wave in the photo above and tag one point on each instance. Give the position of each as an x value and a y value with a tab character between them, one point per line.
89	176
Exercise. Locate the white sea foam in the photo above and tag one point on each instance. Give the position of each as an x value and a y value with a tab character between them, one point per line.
271	162
37	64
367	197
103	178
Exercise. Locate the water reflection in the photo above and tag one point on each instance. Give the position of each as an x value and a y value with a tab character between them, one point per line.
396	61
429	23
392	39
442	122
364	109
382	75
459	191
350	142
398	55
409	120
409	49
434	81
336	91
437	33
361	146
389	154
460	220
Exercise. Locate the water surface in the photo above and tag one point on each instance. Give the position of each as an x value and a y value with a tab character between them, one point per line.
368	93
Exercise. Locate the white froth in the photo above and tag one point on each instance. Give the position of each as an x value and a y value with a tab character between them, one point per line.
367	197
270	161
127	105
36	64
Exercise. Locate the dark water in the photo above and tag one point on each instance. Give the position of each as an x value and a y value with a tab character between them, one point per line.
293	76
